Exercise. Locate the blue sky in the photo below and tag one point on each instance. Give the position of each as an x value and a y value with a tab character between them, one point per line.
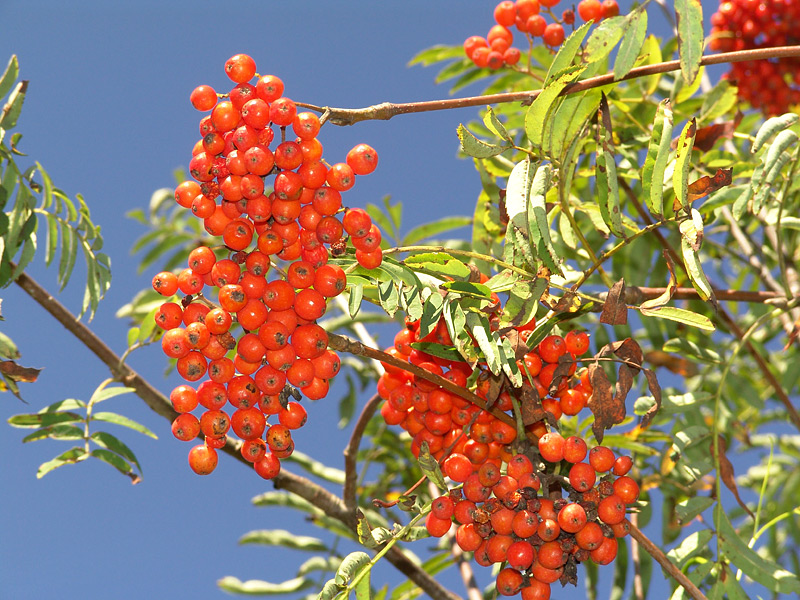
107	114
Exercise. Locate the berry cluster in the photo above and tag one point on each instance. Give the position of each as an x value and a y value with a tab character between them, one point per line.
539	507
461	434
281	349
521	518
495	50
745	24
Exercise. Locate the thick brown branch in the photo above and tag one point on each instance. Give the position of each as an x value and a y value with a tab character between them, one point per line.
329	503
343	344
636	295
666	563
387	110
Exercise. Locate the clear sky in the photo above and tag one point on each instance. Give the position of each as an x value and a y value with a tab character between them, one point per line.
107	114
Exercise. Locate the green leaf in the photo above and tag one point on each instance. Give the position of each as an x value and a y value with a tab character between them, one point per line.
13	106
351	565
287	539
652	53
721	99
468	288
115	460
33	421
431	311
62	405
9	75
784	140
607	188
104	393
680	315
494	125
255	587
569	121
683	160
756	567
354	301
603	39
479	328
430	467
687	510
634	30
319	563
434	228
523	302
446	352
689	349
689	17
55	432
537	219
388	296
8	349
436	54
117	419
567	52
476	148
772	126
655	163
537	114
690	238
440	263
692	544
111	442
71	456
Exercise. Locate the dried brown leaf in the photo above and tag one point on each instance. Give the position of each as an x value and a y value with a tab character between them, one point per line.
604	405
707	185
18	373
615	311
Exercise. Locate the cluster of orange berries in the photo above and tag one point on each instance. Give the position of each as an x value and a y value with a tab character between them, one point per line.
495	50
770	85
538	507
281	350
521	518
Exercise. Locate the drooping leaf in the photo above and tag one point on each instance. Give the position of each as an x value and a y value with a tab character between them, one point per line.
117	419
537	114
683	159
494	125
603	39
689	18
681	315
116	461
350	567
615	309
726	473
657	158
633	34
476	148
606	172
772	126
691	239
707	136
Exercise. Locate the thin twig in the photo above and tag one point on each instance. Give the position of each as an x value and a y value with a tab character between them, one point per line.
638	586
386	110
351	451
666	564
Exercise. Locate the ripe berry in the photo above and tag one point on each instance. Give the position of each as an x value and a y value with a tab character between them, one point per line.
202	459
240	68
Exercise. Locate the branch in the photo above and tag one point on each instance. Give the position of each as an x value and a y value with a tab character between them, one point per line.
386	110
329	503
666	563
636	295
351	452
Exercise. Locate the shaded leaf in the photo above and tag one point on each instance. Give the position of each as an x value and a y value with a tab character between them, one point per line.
726	472
707	136
351	565
687	510
767	573
606	172
116	461
33	421
567	52
772	126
